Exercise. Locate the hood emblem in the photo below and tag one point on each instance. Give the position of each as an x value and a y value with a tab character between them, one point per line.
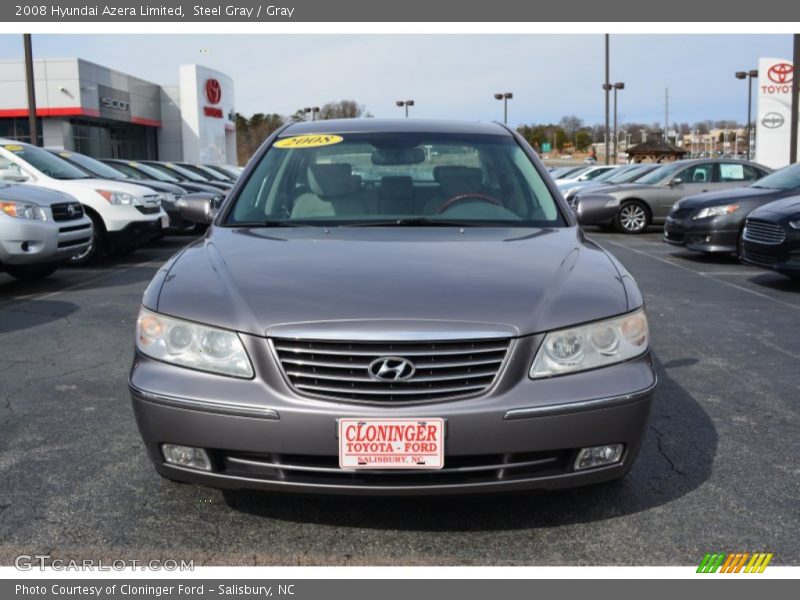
391	368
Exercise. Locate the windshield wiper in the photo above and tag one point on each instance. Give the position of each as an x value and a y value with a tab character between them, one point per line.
416	222
264	223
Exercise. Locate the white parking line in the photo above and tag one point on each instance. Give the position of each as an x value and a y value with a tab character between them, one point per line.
705	275
17	299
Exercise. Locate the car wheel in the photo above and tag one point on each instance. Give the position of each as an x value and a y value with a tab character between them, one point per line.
633	217
95	249
32	273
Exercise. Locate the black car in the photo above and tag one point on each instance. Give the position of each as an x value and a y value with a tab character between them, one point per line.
208	173
184	174
713	222
772	237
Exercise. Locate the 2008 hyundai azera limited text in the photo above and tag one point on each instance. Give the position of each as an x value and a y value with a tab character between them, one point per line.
392	307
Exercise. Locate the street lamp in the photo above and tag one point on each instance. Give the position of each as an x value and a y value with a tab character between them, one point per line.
313	110
505	97
406	104
617	86
749	75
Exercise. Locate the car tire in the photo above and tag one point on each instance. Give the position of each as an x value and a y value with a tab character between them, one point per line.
32	273
97	247
633	217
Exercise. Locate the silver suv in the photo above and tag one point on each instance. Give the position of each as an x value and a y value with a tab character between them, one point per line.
39	229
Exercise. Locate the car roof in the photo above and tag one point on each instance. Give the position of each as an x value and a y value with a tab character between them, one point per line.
369	125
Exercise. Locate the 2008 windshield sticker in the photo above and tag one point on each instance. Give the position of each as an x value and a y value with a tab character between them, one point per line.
13	148
308	141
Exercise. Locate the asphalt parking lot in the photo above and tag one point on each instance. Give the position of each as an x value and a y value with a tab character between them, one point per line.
719	469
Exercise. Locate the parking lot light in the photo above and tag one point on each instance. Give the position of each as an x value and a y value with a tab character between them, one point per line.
617	86
313	110
406	104
505	97
749	75
598	456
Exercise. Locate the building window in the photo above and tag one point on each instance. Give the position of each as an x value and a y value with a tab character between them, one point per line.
18	129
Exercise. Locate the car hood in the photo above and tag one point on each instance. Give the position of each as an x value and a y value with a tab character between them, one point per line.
106	184
514	281
778	208
726	196
34	194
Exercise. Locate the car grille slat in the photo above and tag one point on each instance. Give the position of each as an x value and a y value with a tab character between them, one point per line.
61	211
764	232
339	370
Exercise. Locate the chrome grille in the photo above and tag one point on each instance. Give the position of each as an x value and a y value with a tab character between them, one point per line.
764	232
340	369
67	211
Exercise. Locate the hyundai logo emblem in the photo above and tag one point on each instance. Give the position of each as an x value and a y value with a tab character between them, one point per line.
772	120
391	368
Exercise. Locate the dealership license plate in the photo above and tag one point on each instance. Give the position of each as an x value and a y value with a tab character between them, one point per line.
391	443
164	221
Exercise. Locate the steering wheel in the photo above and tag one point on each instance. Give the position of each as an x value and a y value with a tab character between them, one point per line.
458	198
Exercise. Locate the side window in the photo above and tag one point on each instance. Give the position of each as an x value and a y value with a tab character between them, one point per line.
737	172
702	173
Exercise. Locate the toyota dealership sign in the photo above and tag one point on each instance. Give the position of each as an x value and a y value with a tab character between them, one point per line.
775	76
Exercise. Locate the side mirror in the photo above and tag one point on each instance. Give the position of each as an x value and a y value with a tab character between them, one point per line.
675	181
197	207
13	176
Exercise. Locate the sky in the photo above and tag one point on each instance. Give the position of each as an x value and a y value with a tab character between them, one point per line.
447	75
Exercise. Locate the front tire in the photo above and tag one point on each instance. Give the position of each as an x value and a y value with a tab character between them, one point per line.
96	249
32	273
633	217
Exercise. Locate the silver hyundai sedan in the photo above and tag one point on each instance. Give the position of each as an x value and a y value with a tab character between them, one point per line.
392	307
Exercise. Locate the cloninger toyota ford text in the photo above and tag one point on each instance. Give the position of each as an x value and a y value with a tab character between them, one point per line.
392	307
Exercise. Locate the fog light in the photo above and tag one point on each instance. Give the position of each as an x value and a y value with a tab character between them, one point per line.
598	456
186	456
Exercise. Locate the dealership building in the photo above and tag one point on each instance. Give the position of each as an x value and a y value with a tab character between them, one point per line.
88	108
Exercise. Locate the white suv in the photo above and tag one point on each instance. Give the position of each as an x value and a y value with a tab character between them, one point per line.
125	216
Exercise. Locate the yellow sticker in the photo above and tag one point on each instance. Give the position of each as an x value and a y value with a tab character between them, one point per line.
65	154
309	141
13	148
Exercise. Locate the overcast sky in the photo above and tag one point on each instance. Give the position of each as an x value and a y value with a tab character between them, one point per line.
451	76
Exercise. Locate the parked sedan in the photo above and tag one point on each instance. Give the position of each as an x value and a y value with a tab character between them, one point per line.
633	207
714	222
623	174
367	317
772	237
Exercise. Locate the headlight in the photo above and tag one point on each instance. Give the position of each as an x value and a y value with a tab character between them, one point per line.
612	203
191	345
795	224
716	211
119	198
594	345
23	210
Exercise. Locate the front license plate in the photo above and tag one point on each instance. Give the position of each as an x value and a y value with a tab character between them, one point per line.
164	221
391	443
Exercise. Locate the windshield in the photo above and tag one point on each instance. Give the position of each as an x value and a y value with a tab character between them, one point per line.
626	174
92	165
146	171
573	173
661	173
180	171
385	178
609	174
787	178
46	163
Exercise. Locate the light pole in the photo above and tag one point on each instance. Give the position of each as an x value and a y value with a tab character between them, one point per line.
313	110
749	75
505	97
606	89
406	104
32	122
617	86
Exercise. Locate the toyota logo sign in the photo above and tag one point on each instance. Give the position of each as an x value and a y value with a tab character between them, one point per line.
213	91
772	120
780	73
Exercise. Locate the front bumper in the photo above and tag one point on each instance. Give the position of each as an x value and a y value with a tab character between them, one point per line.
27	242
707	235
136	233
523	435
593	210
783	258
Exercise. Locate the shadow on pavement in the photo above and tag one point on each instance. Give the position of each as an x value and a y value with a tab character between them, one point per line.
32	313
676	458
